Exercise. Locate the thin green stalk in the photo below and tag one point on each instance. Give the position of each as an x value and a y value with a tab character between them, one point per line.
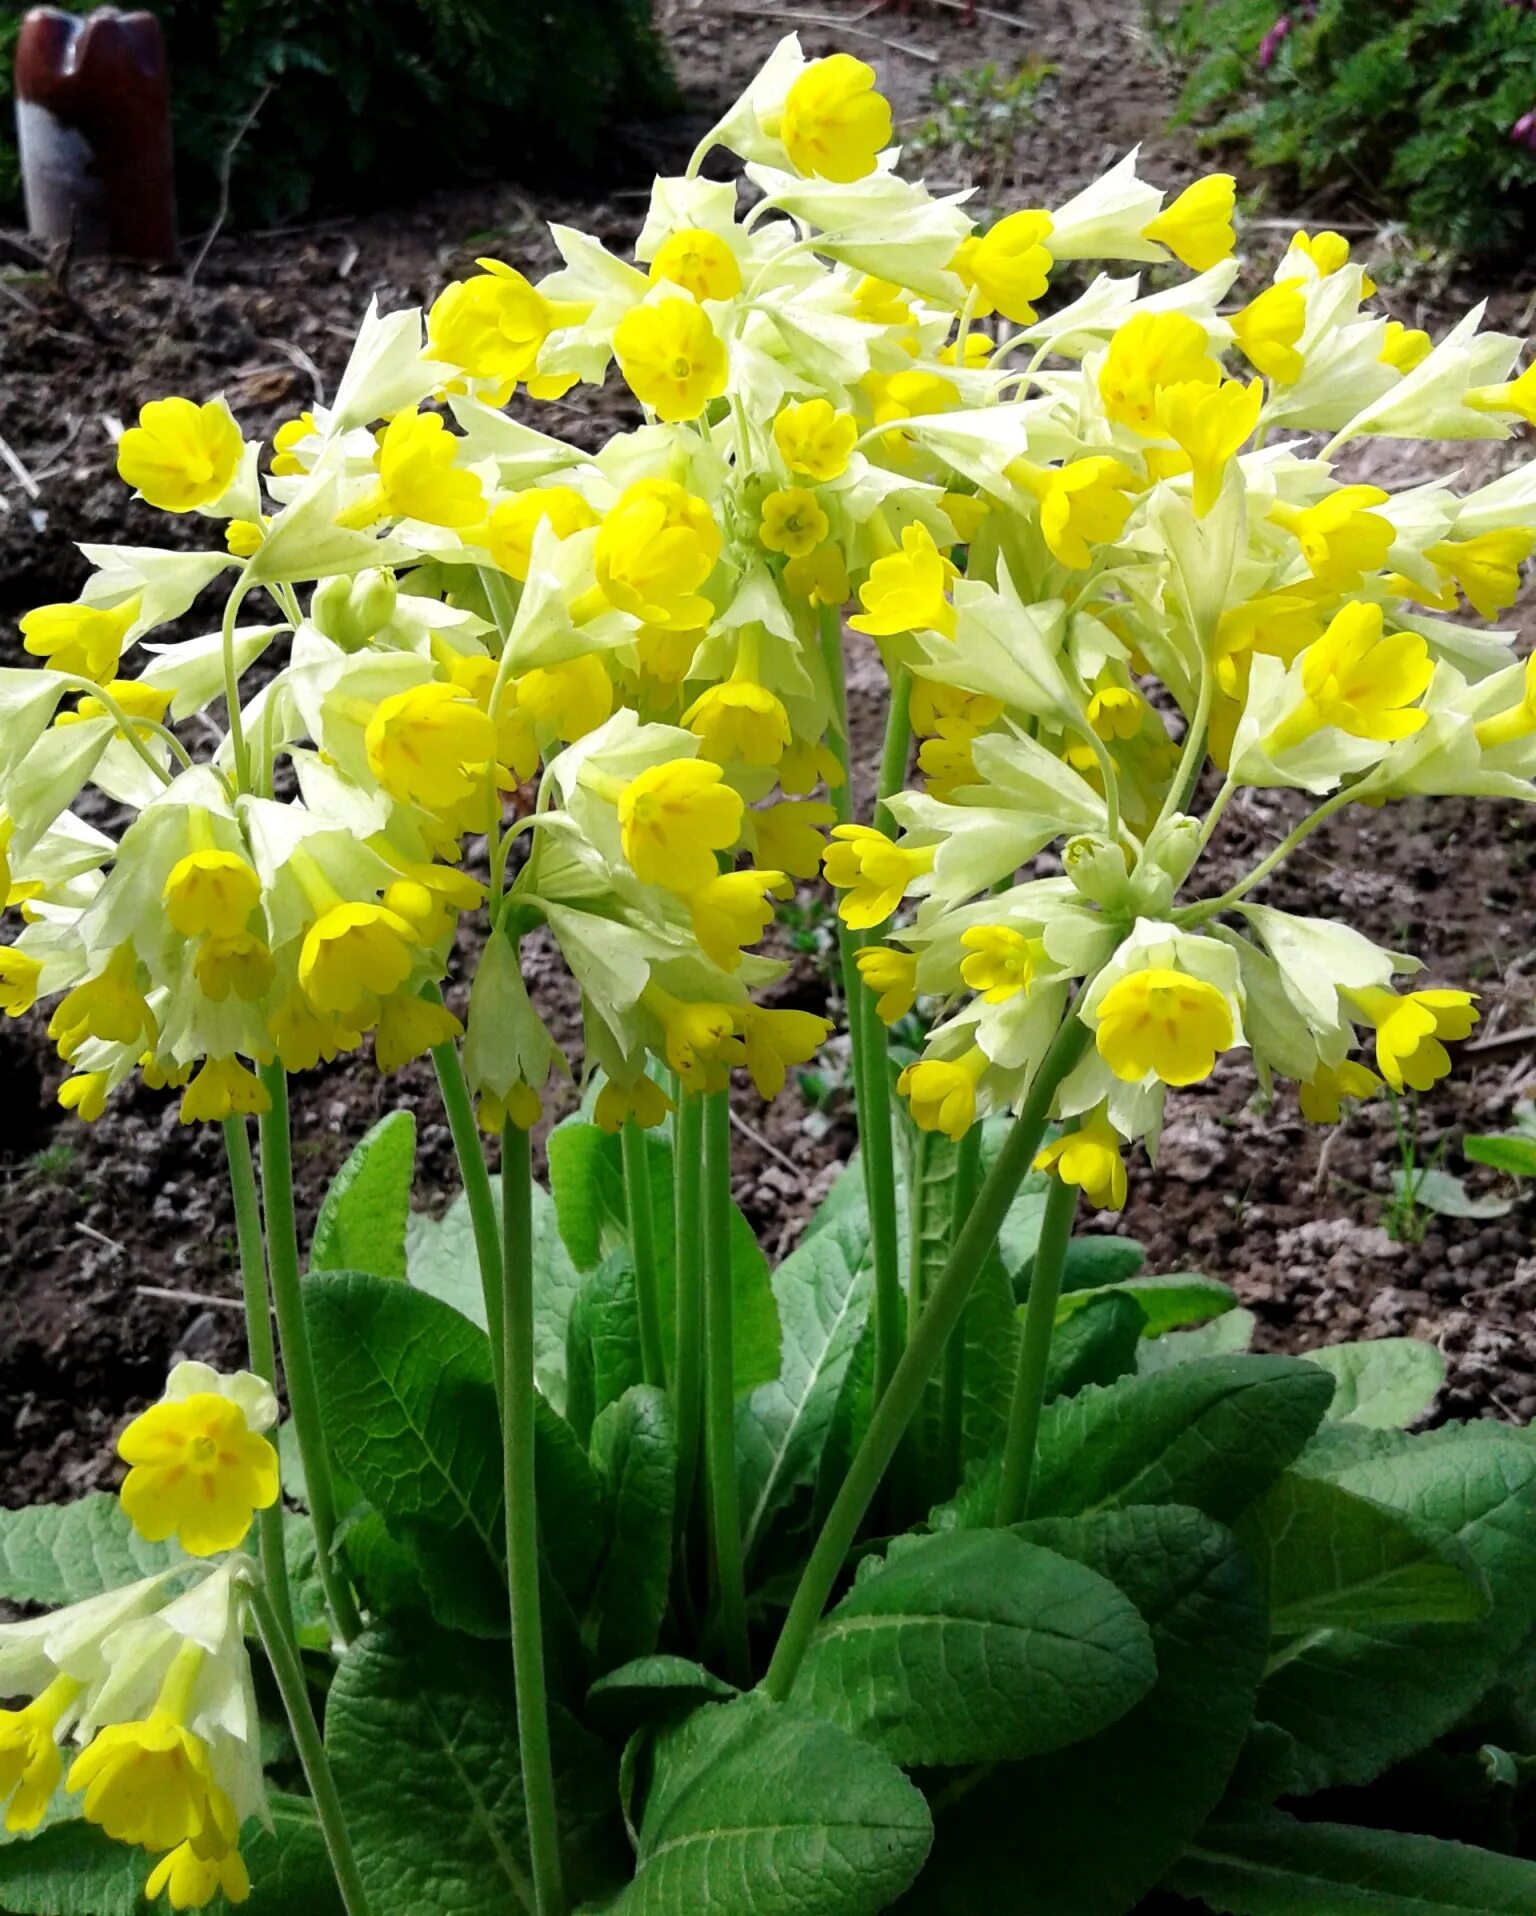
518	1481
896	1409
289	1672
719	1388
298	1358
259	1343
952	1378
239	750
898	745
479	1197
1204	908
1034	1351
688	1369
642	1241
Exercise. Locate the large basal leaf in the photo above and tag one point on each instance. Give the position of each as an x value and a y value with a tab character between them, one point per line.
823	1290
58	1553
634	1446
1272	1865
1087	1831
602	1343
422	1735
1383	1384
1223	1336
1329	1558
71	1869
1211	1434
756	1807
290	1867
1168	1303
1095	1345
362	1222
651	1688
586	1174
975	1647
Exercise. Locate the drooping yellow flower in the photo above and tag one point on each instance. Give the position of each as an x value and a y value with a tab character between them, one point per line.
1515	721
83	640
821	576
353	951
834	122
733	910
973	352
1487	567
674	818
1210	425
418	478
671	357
30	1764
240	966
289	436
1148	352
1409	1030
491	325
571	699
86	1095
429	897
1517	396
1359	681
739	719
211	894
302	1037
1328	251
1001	963
807	763
1089	1157
1340	537
1083	504
143	706
912	395
873	872
947	761
1008	266
792	522
700	1040
510	530
19	973
410	1027
223	1088
932	705
1163	1023
520	1106
1197	228
243	537
788	835
700	262
1404	346
656	548
815	439
181	455
430	745
109	1006
198	1470
1278	625
1323	1094
905	591
644	1102
941	1092
151	1784
1268	328
893	975
880	303
192	1874
776	1040
1116	711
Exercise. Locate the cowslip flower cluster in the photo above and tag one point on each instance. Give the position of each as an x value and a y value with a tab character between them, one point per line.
1072	514
152	1682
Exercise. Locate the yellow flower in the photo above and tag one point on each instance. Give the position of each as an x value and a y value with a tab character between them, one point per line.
491	325
788	835
352	951
1149	352
1515	721
1210	425
777	1039
941	1093
141	705
672	359
418	478
1268	328
521	1107
1328	251
965	512
739	719
1516	396
83	640
814	439
86	1095
905	591
1279	625
911	395
1163	1023
700	262
947	762
1404	346
732	911
891	973
1409	1030
700	1040
1089	1157
1197	227
805	764
880	303
1082	504
873	872
180	455
19	973
793	522
291	434
194	1875
1358	681
241	964
834	121
1001	963
198	1470
151	1783
1323	1094
973	352
821	576
410	1027
30	1764
656	548
509	531
302	1037
1008	266
673	818
109	1006
644	1102
1487	568
224	1088
243	537
571	699
211	894
430	746
1340	537
932	705
1116	711
429	897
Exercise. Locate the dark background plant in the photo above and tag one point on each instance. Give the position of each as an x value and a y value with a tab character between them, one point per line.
1416	101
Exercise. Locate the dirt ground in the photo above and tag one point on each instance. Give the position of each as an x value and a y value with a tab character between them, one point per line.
119	1249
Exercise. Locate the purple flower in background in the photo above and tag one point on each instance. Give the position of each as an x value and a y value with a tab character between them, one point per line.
1269	46
1523	132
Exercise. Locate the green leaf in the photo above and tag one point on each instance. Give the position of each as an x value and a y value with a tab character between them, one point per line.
1093	1262
651	1688
822	1289
1224	1336
634	1446
1212	1434
58	1553
1168	1303
421	1730
1273	1865
1095	1345
602	1343
1329	1558
71	1869
1091	1828
362	1222
1383	1384
1444	1193
290	1868
991	1330
976	1647
754	1806
586	1174
1511	1151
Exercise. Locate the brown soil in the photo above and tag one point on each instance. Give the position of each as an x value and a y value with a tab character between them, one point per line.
100	1220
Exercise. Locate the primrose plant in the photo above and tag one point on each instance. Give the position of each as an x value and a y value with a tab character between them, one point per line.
604	1566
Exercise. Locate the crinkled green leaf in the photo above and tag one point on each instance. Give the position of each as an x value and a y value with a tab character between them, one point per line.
71	1869
650	1689
1095	1345
602	1343
1223	1336
362	1221
634	1446
1168	1303
59	1553
1383	1384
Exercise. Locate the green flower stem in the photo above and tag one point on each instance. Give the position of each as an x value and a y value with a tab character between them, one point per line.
517	1427
1192	758
1204	908
259	1342
460	1112
239	750
642	1239
688	1369
896	750
298	1357
866	1035
896	1409
1034	1350
952	1378
289	1672
720	1389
